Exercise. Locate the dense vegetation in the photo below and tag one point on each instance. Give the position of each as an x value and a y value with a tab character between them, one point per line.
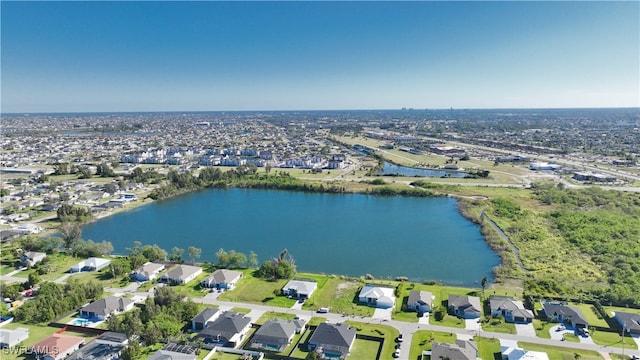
160	318
55	300
576	243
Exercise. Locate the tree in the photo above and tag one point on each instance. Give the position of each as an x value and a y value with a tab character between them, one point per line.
223	258
253	259
194	253
84	172
153	252
104	170
483	283
111	188
176	254
61	168
131	352
71	234
34	279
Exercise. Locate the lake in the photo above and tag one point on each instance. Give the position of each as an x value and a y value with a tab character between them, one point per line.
392	169
343	234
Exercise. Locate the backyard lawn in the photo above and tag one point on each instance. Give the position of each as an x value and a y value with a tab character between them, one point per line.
422	340
383	331
258	291
340	296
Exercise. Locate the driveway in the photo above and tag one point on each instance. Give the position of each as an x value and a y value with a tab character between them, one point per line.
557	332
525	330
424	319
382	314
297	305
471	324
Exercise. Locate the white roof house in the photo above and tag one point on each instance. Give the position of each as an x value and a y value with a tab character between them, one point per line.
11	338
91	264
378	296
510	353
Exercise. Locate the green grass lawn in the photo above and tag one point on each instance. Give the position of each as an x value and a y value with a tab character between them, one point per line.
606	338
571	338
258	291
422	340
241	310
58	265
447	320
301	349
543	328
499	326
384	331
611	309
591	315
487	348
364	349
272	315
193	288
558	353
316	320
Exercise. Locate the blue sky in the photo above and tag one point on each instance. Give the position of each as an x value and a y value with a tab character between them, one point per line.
180	56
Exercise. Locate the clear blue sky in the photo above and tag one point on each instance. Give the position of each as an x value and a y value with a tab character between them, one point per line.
157	56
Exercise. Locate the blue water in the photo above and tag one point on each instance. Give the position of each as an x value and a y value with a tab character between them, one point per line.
391	169
343	234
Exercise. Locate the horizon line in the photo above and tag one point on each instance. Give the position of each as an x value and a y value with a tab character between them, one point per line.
318	110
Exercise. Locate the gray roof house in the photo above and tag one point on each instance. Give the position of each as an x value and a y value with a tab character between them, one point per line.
174	352
222	279
561	312
11	338
200	321
276	335
466	307
30	258
103	308
146	272
301	289
227	330
181	274
629	321
419	301
108	345
511	309
332	340
461	350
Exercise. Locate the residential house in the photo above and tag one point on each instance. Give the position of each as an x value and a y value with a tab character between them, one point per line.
377	296
463	306
181	274
511	353
461	350
107	346
227	330
147	272
200	321
222	279
90	264
511	309
105	307
11	338
419	301
57	346
332	341
563	313
30	258
276	335
174	352
629	321
301	289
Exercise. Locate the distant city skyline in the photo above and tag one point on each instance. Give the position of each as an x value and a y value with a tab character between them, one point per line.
251	56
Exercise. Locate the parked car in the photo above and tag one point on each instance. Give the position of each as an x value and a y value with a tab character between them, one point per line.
323	310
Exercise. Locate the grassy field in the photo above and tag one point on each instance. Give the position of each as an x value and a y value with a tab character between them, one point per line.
258	291
487	348
499	326
422	340
614	339
543	328
271	315
340	296
591	315
364	349
558	353
611	309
